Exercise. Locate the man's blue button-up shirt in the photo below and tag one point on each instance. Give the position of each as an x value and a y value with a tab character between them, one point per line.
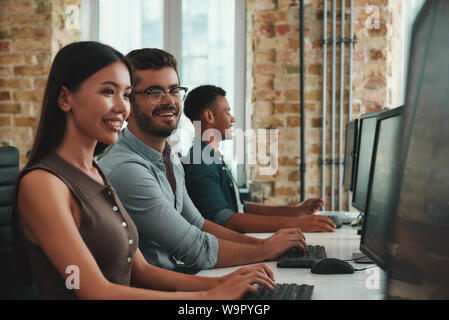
169	224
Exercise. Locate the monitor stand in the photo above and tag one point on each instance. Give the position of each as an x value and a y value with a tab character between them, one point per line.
359	257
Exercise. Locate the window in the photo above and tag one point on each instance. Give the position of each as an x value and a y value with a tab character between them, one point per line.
206	36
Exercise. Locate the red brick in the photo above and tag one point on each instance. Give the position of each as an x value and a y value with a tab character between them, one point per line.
271	16
287	161
316	68
270	95
269	122
283	29
293	121
4	46
15	83
294	176
26	122
5	121
37	70
284	191
10	108
29	96
263	29
263	81
287	107
5	96
375	54
11	58
268	68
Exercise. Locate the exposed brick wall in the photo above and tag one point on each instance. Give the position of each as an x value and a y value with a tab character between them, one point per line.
274	38
31	32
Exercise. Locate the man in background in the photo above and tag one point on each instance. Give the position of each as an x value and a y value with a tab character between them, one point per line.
212	187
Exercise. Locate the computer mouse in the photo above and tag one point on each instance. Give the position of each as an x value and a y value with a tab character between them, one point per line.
332	266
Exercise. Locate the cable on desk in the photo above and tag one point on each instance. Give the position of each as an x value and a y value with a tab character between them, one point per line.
366	268
356	258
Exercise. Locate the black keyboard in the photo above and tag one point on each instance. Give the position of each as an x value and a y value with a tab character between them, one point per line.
283	291
337	221
295	258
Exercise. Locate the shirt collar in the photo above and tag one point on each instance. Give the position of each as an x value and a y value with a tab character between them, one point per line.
144	149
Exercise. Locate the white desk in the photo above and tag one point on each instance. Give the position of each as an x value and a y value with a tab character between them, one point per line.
361	285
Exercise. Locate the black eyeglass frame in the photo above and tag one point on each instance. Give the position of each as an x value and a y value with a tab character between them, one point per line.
148	91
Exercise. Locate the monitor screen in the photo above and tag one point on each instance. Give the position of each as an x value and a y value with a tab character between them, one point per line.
381	198
419	241
350	153
367	131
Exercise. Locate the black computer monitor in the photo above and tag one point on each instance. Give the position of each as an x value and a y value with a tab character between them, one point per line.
381	200
350	154
419	241
365	144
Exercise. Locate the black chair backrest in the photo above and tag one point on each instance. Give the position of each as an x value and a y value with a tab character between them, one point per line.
10	285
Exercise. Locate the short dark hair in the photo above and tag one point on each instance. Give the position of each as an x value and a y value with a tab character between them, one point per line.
201	98
151	58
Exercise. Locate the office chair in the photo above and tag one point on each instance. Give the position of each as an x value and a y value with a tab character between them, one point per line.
10	285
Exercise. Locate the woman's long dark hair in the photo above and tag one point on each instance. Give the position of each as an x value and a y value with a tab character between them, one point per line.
72	65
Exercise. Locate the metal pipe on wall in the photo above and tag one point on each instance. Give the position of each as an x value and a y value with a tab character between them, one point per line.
334	42
323	142
342	93
351	55
333	162
302	165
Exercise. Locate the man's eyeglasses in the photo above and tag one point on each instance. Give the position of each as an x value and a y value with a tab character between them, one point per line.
157	94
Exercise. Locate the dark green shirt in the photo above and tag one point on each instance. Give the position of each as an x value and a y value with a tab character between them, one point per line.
209	183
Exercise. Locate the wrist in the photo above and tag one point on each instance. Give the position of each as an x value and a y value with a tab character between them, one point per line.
265	250
202	295
219	280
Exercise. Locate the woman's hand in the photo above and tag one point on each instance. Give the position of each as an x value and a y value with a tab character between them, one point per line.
236	284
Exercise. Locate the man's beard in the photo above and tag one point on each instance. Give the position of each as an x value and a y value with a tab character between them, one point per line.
145	123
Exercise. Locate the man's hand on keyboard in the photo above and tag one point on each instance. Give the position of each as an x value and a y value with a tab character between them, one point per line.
310	206
316	223
283	240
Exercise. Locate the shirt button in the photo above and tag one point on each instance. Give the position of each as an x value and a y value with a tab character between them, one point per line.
231	185
114	208
124	224
129	259
130	241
